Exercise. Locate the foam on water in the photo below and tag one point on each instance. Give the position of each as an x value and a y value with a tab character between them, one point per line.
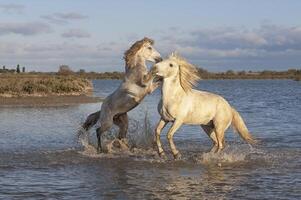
235	154
88	149
139	142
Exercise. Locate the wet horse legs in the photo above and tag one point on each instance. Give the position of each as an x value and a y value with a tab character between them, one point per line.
122	122
105	125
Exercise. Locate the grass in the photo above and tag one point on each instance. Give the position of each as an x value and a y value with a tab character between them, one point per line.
22	85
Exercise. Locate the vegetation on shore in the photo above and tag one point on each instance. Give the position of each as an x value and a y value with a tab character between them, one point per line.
204	74
16	85
266	74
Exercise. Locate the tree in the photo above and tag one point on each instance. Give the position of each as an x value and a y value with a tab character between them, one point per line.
18	68
4	67
230	72
82	71
23	69
65	70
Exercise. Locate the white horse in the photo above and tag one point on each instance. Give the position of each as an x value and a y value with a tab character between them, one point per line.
137	83
180	104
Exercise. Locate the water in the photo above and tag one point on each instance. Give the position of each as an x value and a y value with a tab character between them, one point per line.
41	158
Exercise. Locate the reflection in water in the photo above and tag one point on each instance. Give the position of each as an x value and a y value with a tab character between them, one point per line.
41	158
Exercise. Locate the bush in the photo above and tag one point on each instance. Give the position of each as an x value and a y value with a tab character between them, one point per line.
51	85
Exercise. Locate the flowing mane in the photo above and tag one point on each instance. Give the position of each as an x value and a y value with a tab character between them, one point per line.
188	73
129	55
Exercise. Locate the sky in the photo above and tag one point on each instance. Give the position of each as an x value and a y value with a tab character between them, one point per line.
93	34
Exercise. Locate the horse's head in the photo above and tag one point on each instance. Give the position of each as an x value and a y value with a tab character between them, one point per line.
142	49
177	67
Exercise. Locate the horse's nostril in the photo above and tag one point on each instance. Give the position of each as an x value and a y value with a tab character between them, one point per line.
158	59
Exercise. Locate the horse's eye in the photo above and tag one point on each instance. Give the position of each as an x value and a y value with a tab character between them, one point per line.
149	48
170	65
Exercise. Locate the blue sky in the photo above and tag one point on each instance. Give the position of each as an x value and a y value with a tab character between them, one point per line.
93	34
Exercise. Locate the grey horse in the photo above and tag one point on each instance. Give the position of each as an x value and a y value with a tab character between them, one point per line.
137	83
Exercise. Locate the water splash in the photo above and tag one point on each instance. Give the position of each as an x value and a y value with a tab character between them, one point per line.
235	154
88	148
139	141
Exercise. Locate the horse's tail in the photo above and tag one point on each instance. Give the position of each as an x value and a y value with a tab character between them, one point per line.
89	123
240	126
91	120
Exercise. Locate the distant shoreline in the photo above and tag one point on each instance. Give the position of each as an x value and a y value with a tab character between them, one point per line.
47	101
293	74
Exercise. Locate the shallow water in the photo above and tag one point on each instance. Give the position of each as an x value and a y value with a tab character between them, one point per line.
41	157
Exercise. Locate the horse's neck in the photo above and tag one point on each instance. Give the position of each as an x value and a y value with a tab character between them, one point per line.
136	69
171	89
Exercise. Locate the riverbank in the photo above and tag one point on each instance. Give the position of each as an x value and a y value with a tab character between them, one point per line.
15	85
45	90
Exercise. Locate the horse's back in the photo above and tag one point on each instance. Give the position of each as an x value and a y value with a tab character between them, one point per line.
210	97
205	106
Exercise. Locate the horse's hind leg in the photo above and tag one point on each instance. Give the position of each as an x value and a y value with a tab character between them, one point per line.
105	125
122	122
219	129
221	124
210	132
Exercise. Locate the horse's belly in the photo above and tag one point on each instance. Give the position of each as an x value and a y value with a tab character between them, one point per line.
198	118
194	121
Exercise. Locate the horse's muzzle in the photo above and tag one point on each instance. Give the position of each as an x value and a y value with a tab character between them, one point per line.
154	70
158	59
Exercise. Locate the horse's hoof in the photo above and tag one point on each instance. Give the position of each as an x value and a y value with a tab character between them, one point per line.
162	155
177	156
99	150
154	145
213	149
218	150
116	144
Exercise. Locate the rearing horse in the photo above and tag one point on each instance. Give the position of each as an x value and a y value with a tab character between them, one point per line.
136	85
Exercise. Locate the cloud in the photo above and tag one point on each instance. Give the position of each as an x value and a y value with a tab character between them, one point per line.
76	33
25	29
266	37
48	56
216	49
264	45
70	16
12	8
64	18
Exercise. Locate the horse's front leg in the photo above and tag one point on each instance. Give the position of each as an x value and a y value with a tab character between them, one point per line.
145	79
153	86
176	125
159	128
